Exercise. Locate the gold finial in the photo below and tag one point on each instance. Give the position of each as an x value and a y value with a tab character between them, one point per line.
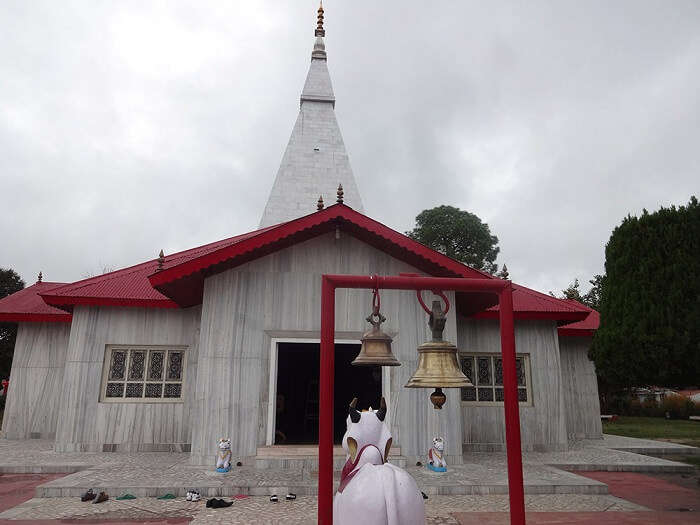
319	204
41	276
339	200
319	21
161	260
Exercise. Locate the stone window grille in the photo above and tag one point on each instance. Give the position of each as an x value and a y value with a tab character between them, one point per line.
485	371
143	374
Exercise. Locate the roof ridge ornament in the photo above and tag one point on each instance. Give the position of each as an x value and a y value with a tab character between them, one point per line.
319	204
40	277
319	21
340	192
161	260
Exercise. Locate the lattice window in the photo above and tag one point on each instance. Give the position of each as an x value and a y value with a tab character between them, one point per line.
143	374
485	371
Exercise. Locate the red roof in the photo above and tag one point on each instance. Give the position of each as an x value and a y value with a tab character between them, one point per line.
27	306
585	328
128	286
180	282
530	304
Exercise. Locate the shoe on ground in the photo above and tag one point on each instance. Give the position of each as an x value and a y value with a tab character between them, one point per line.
102	496
274	498
89	495
196	496
189	495
290	497
126	496
425	496
167	496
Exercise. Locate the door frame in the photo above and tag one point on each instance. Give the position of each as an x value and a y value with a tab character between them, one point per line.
272	386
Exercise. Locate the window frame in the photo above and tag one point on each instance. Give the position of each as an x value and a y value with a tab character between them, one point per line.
107	363
493	356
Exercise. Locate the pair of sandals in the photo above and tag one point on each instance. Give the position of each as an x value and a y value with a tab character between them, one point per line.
218	503
288	497
193	495
95	498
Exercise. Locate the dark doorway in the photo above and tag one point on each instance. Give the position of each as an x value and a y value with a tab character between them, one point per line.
297	390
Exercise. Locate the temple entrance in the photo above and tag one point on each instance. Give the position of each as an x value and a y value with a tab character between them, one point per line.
297	390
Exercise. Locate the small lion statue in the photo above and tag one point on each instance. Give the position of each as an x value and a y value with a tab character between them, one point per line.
223	458
373	491
436	456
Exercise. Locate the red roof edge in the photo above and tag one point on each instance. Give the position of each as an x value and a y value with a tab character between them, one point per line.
534	316
61	301
277	233
575	332
35	318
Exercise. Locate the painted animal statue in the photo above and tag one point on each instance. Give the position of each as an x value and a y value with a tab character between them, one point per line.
372	491
436	456
223	458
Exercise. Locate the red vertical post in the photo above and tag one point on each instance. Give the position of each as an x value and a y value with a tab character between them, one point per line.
516	491
325	405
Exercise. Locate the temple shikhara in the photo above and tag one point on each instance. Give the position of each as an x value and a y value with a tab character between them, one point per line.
222	340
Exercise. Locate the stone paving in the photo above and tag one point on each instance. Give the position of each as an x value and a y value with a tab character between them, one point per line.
154	473
301	511
480	485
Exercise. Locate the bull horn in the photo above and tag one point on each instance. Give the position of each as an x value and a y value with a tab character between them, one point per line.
354	413
381	413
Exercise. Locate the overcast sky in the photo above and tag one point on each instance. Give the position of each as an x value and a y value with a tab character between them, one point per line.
127	127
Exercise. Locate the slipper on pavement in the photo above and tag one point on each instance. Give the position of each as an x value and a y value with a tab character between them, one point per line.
126	496
167	496
102	496
89	495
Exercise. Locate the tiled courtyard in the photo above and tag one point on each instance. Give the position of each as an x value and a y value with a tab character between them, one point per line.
552	484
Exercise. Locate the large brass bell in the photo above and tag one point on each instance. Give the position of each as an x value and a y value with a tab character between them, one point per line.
438	362
376	345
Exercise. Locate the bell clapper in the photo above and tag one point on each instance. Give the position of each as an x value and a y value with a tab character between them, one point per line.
438	398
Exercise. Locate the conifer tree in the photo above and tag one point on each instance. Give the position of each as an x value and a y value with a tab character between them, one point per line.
650	302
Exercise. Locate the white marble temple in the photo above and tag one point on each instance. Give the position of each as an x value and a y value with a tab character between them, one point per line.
580	386
542	424
32	405
85	423
280	293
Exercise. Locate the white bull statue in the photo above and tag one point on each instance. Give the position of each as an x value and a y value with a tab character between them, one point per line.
372	491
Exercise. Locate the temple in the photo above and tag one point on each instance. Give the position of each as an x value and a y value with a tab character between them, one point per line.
222	340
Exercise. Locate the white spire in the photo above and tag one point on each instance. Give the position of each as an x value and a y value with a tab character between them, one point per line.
315	160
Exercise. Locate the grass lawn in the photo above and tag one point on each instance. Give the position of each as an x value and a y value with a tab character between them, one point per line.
678	431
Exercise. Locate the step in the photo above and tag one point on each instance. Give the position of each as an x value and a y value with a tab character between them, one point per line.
306	457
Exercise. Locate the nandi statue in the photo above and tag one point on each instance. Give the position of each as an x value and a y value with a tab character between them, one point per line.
372	491
436	456
223	458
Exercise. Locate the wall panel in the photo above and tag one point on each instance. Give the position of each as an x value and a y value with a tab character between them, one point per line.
32	406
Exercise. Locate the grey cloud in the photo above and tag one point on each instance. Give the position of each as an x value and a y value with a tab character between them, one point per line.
127	127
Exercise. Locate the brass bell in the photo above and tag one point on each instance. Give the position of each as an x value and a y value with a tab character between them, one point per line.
376	345
438	363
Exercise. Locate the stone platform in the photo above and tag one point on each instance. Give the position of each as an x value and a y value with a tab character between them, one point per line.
156	473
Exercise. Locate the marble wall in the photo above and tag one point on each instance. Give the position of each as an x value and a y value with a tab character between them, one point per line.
85	423
32	405
279	296
542	424
581	401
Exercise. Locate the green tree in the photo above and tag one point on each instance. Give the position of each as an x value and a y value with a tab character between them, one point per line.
458	234
590	298
650	301
10	282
